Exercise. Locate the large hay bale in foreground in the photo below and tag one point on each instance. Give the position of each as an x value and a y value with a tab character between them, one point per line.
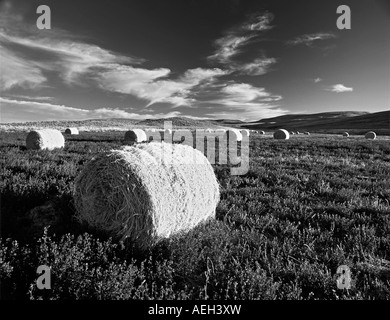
71	131
345	134
45	139
370	135
135	136
281	134
147	192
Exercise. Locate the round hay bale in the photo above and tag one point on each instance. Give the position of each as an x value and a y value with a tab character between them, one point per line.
292	132
167	133
135	136
281	134
45	139
245	131
234	134
261	132
370	135
71	131
146	192
345	134
307	133
209	130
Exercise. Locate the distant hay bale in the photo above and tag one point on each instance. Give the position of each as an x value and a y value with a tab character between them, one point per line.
167	133
292	132
72	131
146	192
261	132
307	133
281	134
209	130
48	139
345	134
298	132
135	136
245	131
370	135
234	134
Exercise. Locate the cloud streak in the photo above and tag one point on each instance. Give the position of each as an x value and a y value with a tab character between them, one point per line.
15	71
308	39
13	110
339	88
149	85
235	39
244	102
257	67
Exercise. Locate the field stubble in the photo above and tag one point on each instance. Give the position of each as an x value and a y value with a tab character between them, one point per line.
306	206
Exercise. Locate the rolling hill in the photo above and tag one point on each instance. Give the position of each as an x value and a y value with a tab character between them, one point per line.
326	122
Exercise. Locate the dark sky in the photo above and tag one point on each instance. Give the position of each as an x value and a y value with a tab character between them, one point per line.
234	59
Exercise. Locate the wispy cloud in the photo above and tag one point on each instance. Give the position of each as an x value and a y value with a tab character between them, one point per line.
257	67
15	71
338	88
31	59
244	102
79	63
69	58
13	110
317	80
149	85
308	39
234	39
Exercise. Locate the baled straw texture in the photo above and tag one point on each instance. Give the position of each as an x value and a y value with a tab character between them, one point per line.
234	134
345	134
281	134
45	139
147	192
370	135
72	131
246	131
135	136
